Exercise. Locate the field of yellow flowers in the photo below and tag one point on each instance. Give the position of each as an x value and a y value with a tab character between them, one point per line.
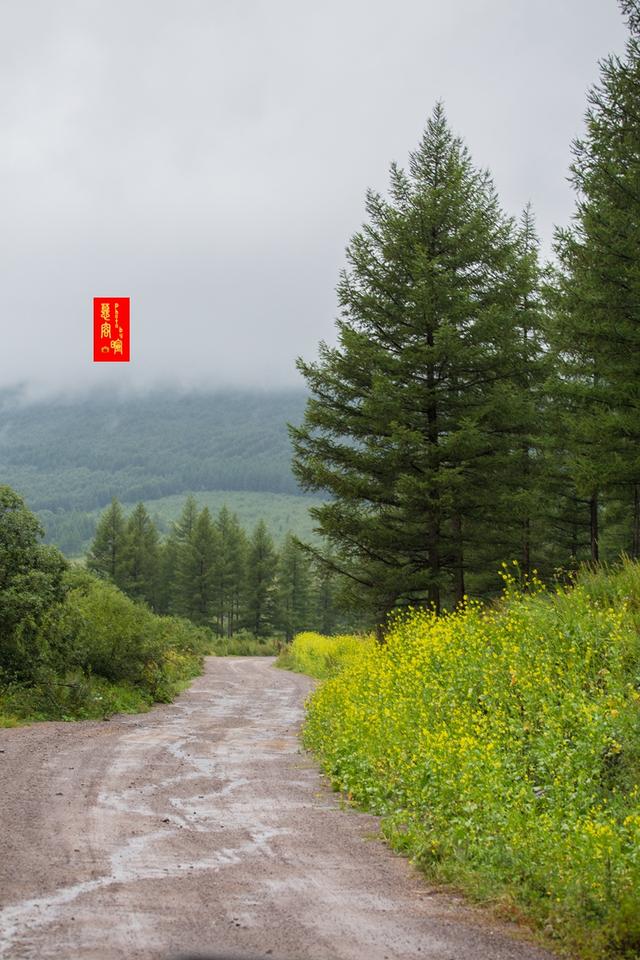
502	746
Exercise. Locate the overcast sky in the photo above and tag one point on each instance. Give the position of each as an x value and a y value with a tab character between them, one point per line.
209	159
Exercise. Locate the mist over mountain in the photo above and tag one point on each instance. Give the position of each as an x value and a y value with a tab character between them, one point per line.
76	453
210	162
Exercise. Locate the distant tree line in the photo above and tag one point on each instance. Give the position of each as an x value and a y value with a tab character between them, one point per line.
480	406
210	571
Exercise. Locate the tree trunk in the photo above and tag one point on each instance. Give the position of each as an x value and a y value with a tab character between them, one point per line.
382	619
526	547
593	511
459	562
433	532
574	541
434	563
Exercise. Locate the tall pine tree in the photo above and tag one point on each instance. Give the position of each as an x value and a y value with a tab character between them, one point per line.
106	553
294	589
597	331
141	558
409	426
260	582
196	570
229	572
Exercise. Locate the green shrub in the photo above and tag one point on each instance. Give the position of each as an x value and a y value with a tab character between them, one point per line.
31	584
74	697
100	652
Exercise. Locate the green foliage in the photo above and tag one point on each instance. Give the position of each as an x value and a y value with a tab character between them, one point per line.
30	586
74	697
106	556
261	582
595	332
176	588
422	422
72	644
282	512
244	644
141	558
502	746
230	573
328	612
72	530
293	598
209	572
103	632
194	570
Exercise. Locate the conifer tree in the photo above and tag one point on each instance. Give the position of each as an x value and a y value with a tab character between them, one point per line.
522	495
229	572
324	615
175	556
596	334
168	564
196	570
184	526
294	589
171	552
141	568
106	553
260	582
238	550
409	426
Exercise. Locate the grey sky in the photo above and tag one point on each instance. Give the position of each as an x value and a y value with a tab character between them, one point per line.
209	159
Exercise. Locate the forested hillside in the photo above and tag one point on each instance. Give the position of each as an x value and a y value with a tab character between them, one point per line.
79	453
69	457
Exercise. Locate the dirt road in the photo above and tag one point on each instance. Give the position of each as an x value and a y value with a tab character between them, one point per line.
201	829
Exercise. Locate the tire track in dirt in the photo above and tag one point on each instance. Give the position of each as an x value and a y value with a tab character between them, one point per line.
201	827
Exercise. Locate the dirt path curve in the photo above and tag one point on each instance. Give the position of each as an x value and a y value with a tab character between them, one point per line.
200	828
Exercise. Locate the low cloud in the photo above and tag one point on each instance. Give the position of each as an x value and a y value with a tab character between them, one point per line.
209	160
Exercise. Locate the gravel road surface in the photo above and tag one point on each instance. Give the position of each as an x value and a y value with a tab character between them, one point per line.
201	829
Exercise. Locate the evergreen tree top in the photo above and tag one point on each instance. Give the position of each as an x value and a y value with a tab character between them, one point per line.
631	10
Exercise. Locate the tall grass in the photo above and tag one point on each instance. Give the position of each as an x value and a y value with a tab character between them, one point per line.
502	747
245	644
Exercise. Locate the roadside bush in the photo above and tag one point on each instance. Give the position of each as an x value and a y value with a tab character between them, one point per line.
31	584
76	696
100	652
502	747
320	656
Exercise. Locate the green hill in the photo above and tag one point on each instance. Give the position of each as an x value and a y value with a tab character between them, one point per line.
77	454
69	457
